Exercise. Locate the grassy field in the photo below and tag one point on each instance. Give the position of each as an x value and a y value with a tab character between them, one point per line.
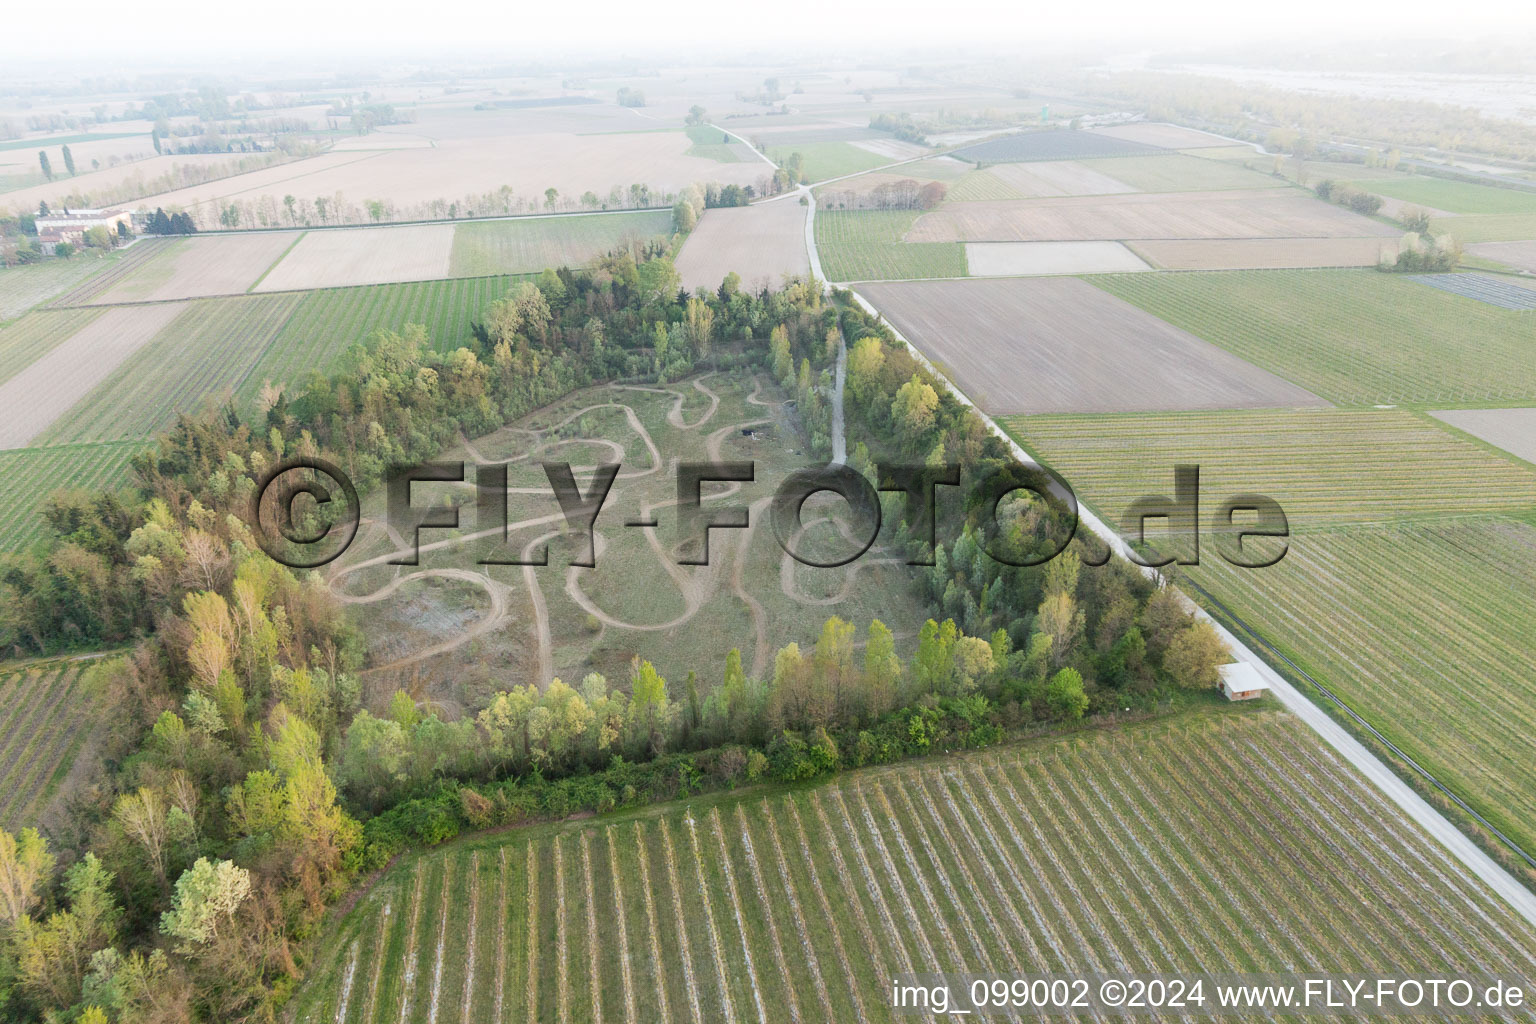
1514	227
823	160
207	350
713	144
484	248
866	245
1061	855
1177	172
1326	467
28	339
1356	337
21	288
29	475
1454	196
1426	630
45	717
328	322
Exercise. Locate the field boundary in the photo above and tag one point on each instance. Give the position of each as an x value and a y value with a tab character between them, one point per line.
1456	842
270	266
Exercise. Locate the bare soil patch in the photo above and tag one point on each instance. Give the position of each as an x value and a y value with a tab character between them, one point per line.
1513	430
1034	345
1059	178
333	259
1515	254
1009	259
200	267
762	243
35	397
1262	253
1237	213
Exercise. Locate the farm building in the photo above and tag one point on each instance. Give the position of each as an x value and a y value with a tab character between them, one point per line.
1241	681
71	225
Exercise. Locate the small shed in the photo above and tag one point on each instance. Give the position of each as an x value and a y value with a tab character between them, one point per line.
1241	681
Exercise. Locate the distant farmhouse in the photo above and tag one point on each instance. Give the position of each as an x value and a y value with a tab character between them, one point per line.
71	225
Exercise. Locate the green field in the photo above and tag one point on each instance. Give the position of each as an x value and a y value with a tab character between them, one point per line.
823	160
45	716
1427	631
1178	172
29	475
1355	337
21	288
1514	227
713	144
527	246
1326	467
866	245
1454	196
207	350
1054	856
27	340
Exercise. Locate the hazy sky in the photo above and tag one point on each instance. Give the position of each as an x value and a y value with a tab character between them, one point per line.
702	26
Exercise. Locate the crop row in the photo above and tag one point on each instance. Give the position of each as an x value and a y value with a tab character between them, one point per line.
23	287
122	264
1069	855
34	335
1354	337
1324	466
29	475
45	720
866	245
528	245
206	351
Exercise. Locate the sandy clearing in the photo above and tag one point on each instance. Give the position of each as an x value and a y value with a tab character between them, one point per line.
1236	213
1262	253
334	259
1168	136
1010	259
1514	254
1058	344
198	267
35	397
762	243
1059	178
895	149
1513	430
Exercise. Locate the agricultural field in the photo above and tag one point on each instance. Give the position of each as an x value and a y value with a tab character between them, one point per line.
1165	136
1494	291
1058	344
1046	178
891	149
761	243
1179	172
1237	213
823	160
29	475
1010	259
1426	630
1056	144
327	323
339	258
36	396
1521	255
119	265
491	247
713	144
1512	227
25	341
868	245
1355	337
460	636
46	716
1067	854
23	287
1513	430
206	351
1455	197
190	268
1326	467
1262	253
122	185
